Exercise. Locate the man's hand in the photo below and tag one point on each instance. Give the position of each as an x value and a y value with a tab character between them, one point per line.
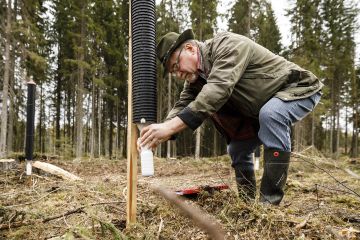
155	134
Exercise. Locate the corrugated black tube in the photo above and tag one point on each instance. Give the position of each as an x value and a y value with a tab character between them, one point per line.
30	118
143	22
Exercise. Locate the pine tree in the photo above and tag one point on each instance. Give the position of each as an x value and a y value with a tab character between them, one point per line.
5	91
167	21
63	87
240	17
203	17
267	32
113	19
307	51
256	20
339	18
34	50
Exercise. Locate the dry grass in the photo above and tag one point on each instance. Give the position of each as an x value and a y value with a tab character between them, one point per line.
315	205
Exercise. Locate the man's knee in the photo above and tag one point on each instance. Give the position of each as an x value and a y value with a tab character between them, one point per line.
268	115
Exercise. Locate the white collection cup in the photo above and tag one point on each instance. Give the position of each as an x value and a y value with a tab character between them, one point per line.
147	162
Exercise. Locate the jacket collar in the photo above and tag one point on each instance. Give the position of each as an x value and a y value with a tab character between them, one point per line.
204	65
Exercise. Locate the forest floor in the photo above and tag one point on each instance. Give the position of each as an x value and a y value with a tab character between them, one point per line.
316	206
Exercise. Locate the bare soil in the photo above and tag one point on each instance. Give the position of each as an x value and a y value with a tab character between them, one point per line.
322	202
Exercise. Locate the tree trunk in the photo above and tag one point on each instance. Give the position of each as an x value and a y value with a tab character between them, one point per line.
68	134
41	112
117	135
215	150
198	131
248	23
168	149
111	128
4	110
346	129
159	111
331	135
337	134
87	128
10	144
174	149
354	140
99	123
198	142
58	108
80	92
93	126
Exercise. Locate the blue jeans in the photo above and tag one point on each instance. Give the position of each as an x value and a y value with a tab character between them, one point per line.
275	119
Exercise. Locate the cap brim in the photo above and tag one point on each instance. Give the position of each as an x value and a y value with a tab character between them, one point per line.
186	35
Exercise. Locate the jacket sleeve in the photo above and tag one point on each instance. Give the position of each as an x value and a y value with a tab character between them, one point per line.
230	55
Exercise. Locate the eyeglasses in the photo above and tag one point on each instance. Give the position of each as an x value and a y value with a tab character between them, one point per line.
175	67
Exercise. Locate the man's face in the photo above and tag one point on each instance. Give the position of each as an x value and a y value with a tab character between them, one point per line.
183	63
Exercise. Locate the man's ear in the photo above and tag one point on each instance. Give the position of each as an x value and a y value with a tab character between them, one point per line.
190	47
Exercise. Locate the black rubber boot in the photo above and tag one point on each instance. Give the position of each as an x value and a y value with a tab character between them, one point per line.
246	184
275	174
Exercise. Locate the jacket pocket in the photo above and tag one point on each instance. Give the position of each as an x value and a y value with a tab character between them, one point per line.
300	91
257	76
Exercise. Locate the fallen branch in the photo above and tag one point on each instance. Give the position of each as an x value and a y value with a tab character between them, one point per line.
200	218
16	224
77	210
352	173
49	168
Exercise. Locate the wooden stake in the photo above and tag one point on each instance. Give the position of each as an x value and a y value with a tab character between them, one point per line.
132	135
200	218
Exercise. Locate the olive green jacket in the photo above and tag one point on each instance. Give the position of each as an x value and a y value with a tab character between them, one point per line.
240	76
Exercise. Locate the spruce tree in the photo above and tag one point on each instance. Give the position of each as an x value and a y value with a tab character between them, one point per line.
203	17
240	17
339	23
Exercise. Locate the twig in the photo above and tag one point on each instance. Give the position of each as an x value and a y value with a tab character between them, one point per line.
200	218
304	158
333	189
29	203
303	223
77	210
304	150
317	196
160	227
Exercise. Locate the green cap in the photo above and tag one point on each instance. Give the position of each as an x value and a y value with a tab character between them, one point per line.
169	43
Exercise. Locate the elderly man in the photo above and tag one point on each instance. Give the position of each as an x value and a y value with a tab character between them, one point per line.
252	95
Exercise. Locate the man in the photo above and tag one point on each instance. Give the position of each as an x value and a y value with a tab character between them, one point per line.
252	95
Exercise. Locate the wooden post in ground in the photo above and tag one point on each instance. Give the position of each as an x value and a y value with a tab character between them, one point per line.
132	135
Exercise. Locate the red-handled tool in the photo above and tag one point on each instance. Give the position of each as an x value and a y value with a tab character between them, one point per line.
196	190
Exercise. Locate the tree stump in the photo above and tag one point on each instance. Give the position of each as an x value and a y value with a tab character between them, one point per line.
7	164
